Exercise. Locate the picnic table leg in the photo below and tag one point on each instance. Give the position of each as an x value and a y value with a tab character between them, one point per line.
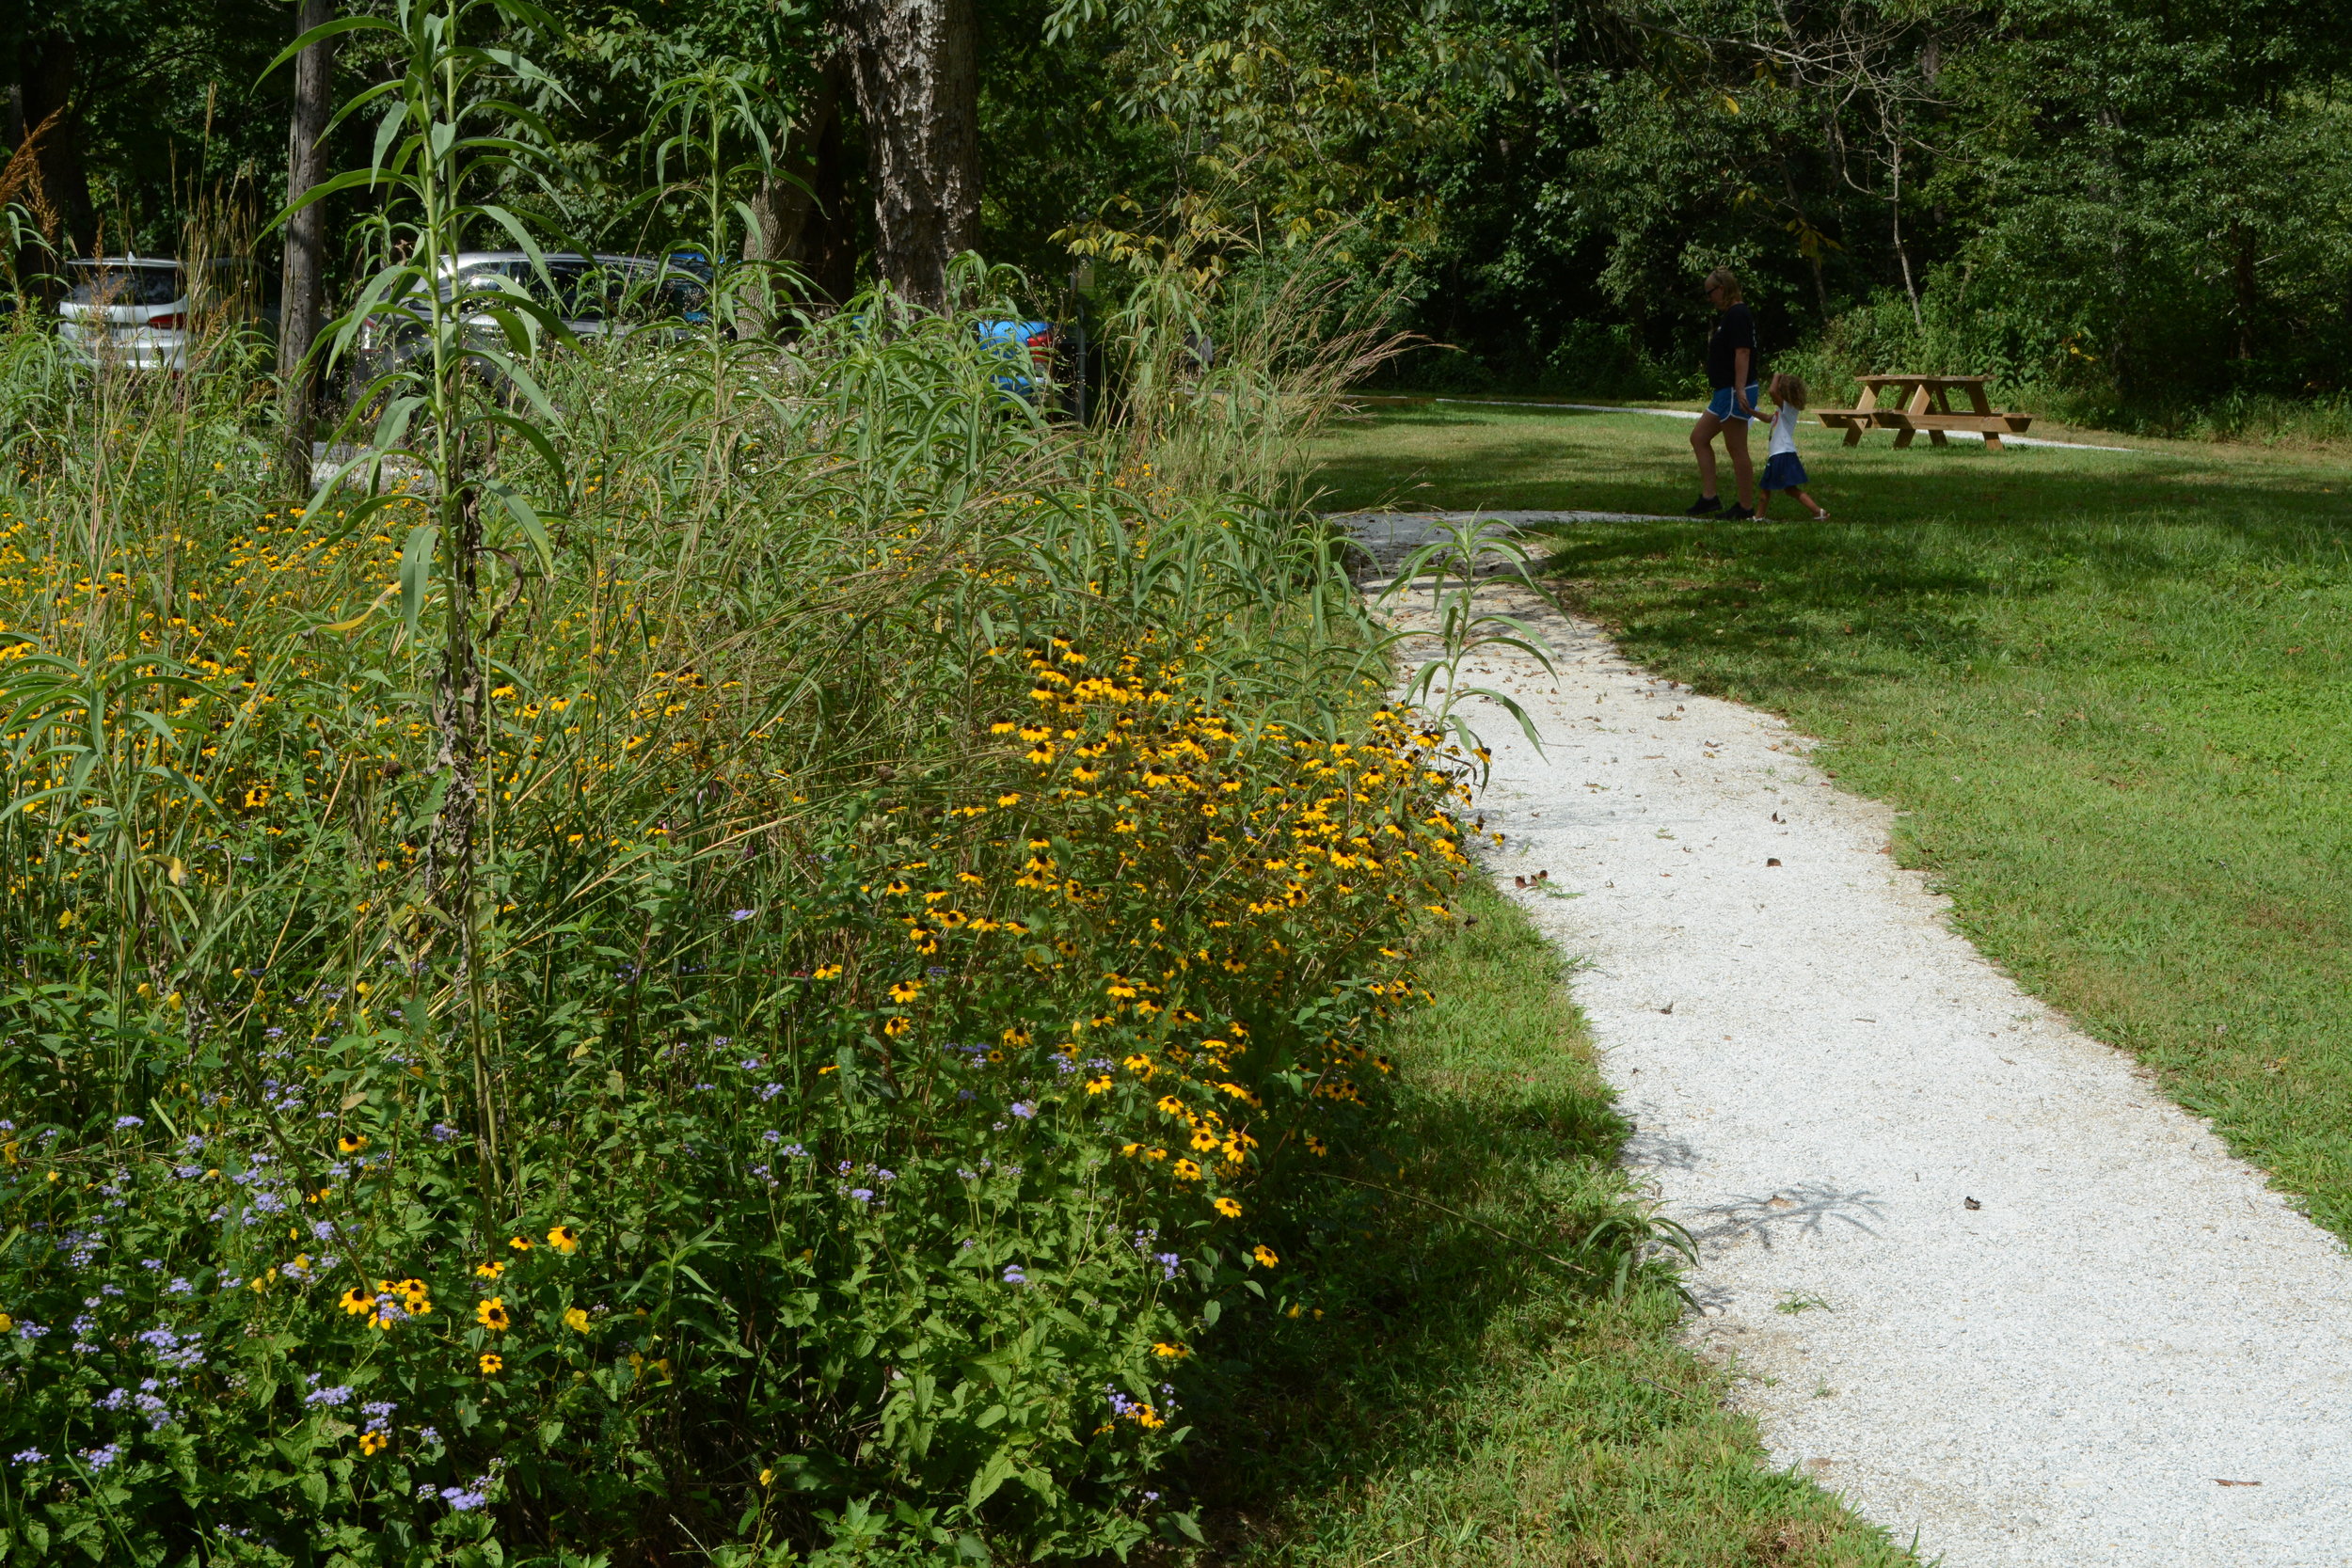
1983	404
1937	402
1918	405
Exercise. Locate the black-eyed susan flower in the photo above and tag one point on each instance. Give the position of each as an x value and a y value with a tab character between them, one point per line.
491	1314
1229	1207
373	1443
352	1146
905	991
827	972
1186	1170
520	1244
1264	1256
563	1239
492	1364
488	1270
355	1301
1171	1353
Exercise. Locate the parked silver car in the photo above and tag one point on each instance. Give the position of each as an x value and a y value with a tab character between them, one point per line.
595	296
146	312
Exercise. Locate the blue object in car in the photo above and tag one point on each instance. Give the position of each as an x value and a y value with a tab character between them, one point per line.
1025	345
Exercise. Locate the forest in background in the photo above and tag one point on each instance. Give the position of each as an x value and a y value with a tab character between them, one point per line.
2134	215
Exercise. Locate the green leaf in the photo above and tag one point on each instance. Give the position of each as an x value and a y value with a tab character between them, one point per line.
416	573
999	1470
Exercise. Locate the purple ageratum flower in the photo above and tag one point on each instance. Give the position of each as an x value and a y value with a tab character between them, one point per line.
99	1458
863	1194
769	1091
739	914
1023	1109
30	1331
1167	1262
180	1288
26	1456
122	1122
1013	1274
443	1132
461	1501
322	1230
886	1175
339	1395
795	1151
771	1136
379	1414
115	1400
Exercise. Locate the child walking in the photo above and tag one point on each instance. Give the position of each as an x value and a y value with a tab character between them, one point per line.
1782	471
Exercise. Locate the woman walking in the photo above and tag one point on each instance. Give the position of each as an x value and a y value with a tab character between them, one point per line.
1732	374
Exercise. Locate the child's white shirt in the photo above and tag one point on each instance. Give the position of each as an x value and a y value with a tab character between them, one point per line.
1784	437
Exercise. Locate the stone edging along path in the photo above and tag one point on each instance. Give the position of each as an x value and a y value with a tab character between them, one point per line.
1971	1269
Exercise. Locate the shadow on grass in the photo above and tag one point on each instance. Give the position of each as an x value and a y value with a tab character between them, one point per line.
1462	1397
1827	606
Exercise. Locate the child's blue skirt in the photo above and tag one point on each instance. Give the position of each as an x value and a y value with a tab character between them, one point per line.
1782	472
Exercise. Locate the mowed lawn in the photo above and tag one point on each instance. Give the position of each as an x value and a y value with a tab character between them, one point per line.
2107	690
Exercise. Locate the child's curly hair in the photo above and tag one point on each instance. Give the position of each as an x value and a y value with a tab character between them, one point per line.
1790	390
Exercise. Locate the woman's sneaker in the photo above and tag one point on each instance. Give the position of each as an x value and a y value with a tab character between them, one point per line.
1703	506
1740	514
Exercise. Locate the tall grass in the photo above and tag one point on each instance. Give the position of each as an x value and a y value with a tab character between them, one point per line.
937	879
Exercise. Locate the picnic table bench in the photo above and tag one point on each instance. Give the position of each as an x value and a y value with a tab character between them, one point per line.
1918	403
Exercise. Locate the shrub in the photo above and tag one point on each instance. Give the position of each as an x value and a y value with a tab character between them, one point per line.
942	885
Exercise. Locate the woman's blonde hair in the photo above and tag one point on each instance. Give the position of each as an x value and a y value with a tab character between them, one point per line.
1725	279
1790	390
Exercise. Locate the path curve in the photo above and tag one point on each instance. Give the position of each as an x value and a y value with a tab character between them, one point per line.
2129	1351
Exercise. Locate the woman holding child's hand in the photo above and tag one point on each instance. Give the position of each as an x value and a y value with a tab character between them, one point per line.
1733	370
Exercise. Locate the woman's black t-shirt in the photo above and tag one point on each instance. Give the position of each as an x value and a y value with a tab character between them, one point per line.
1735	329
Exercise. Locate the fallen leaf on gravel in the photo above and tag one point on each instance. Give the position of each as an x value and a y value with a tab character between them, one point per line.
2218	1481
1970	1202
1773	860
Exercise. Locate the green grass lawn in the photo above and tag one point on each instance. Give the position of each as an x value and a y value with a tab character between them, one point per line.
1467	1401
2106	688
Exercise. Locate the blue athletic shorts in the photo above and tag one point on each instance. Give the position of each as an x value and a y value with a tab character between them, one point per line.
1721	405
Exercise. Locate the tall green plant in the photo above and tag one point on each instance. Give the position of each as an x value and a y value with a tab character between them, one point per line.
453	394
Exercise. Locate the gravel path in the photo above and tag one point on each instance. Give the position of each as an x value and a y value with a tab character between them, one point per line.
1974	1272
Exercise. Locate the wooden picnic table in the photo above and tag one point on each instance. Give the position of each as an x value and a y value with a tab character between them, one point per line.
1918	403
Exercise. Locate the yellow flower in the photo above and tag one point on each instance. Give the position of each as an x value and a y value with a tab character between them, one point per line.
563	1239
352	1146
1229	1207
828	972
577	1320
1186	1171
906	990
897	1028
520	1244
1264	1255
488	1270
1203	1139
7	1324
491	1365
355	1303
1173	1352
491	1314
373	1443
1098	1086
766	1476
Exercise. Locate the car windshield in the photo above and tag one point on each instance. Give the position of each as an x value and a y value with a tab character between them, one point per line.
124	283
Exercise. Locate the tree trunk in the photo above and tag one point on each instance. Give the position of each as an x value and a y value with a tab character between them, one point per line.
304	290
800	208
2248	288
57	189
916	64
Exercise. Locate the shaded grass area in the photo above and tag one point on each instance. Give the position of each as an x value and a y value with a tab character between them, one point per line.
1466	1400
2108	689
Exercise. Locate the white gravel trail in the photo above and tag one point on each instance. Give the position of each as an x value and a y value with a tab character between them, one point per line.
2131	1353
